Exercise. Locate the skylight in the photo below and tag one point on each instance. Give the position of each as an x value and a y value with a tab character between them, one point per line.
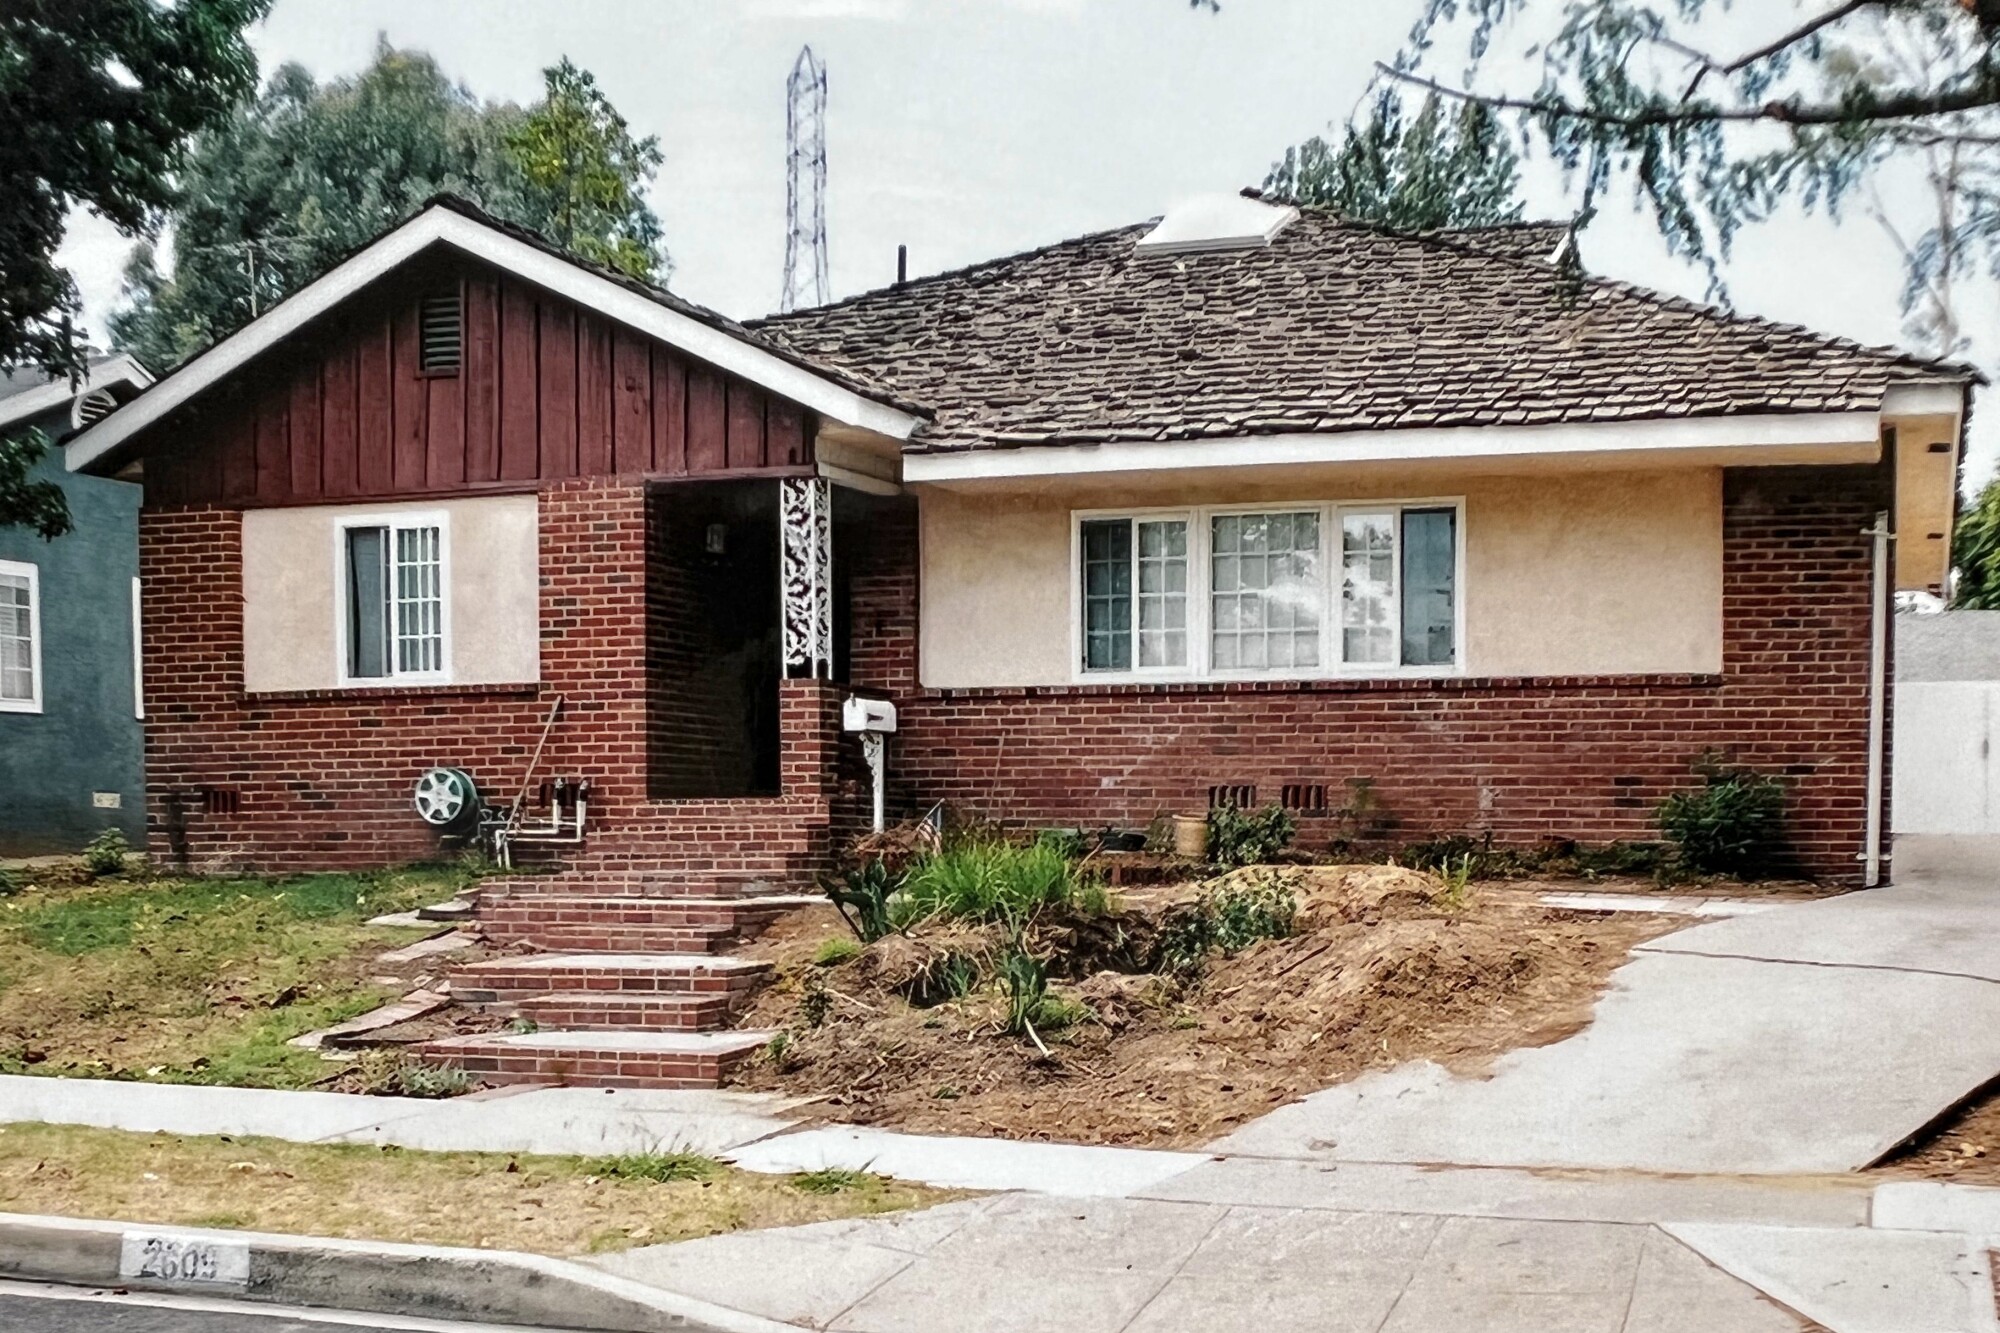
1216	222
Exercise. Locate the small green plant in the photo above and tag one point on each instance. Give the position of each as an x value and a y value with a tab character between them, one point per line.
835	951
1242	838
104	855
660	1167
397	1074
1455	895
1025	979
1727	826
815	1000
1067	843
995	881
833	1180
524	1026
10	883
778	1050
862	896
1229	918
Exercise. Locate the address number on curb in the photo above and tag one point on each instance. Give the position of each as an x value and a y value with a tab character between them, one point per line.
151	1256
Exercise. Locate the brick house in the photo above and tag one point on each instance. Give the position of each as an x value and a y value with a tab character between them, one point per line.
1250	499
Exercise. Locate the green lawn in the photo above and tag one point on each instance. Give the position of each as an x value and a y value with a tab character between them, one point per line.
196	980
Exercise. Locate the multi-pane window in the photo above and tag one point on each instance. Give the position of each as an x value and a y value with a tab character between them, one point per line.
1295	591
1264	590
394	613
1135	594
20	638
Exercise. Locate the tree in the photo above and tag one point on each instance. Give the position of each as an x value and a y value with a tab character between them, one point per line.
1975	553
99	98
586	174
1422	175
306	173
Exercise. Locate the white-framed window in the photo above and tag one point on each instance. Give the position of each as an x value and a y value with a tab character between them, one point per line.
20	637
138	658
1270	591
394	608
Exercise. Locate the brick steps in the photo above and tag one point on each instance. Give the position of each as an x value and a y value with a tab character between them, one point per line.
602	1011
501	979
668	884
599	1059
628	923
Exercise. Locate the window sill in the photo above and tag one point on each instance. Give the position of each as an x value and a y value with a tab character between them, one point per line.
1334	685
359	693
20	706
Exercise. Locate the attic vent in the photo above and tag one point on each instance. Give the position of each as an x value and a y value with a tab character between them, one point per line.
91	408
441	329
1217	222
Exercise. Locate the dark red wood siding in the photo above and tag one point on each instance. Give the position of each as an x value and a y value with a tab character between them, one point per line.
546	391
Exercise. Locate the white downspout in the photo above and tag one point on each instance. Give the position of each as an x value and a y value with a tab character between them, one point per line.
1878	680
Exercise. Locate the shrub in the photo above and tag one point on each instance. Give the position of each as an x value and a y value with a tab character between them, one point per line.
1727	826
1240	838
995	881
835	951
105	854
1230	918
862	896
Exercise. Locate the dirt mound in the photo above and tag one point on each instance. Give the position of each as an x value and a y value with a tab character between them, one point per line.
1381	969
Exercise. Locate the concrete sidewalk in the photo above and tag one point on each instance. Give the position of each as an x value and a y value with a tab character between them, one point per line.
1809	1038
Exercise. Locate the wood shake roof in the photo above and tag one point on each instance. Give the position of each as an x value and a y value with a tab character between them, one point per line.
1333	327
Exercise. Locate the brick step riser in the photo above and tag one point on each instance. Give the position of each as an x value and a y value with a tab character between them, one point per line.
610	939
649	889
504	987
625	1071
628	1017
505	914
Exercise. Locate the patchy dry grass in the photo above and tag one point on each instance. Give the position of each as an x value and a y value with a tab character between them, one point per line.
548	1205
196	980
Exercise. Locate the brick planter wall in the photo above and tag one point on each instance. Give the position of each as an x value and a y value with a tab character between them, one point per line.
1584	758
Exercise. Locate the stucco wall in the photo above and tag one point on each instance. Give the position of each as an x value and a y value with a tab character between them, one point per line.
1566	575
290	592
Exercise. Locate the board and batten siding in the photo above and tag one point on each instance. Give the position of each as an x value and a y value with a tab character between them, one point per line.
545	391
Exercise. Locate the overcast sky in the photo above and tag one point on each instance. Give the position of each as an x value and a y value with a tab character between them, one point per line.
972	128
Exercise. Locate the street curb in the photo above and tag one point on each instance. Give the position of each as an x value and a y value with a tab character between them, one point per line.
373	1277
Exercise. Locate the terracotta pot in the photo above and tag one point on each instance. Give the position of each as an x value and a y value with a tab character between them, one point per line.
1191	837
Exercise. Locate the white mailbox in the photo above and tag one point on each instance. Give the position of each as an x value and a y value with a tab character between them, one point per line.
868	715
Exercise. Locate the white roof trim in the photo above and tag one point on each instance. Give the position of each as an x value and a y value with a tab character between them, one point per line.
439	224
1724	434
104	374
1942	398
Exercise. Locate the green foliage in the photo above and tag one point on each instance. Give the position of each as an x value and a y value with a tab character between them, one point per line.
99	98
862	896
1229	918
661	1168
835	951
815	1000
1432	171
1975	552
26	501
587	176
399	1074
990	880
105	854
79	924
1025	980
306	172
10	882
1730	824
1456	893
1239	838
834	1180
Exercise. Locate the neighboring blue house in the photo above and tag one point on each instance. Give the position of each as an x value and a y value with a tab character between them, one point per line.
71	755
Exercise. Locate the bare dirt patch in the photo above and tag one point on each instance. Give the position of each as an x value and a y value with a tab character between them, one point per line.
1385	966
549	1205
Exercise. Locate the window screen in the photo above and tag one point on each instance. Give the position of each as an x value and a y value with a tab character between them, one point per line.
1430	568
367	602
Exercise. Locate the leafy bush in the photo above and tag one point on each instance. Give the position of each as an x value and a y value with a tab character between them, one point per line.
105	854
862	896
1240	838
995	881
1727	826
1230	918
835	951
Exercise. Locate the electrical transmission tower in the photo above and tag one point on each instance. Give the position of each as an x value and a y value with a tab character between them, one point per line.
806	282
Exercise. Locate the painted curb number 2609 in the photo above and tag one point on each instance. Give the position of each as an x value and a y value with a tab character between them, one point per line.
174	1259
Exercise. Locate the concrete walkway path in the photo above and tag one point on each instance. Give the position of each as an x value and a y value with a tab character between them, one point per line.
1809	1038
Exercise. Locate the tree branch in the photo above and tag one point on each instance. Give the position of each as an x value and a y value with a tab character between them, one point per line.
1901	106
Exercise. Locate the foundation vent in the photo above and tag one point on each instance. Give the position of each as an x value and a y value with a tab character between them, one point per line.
1304	798
1242	795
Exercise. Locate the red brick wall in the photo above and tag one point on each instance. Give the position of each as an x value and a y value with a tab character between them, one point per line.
1525	759
323	779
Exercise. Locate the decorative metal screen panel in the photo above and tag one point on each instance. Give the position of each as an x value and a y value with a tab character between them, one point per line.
805	535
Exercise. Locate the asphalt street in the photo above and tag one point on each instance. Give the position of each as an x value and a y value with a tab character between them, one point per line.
31	1308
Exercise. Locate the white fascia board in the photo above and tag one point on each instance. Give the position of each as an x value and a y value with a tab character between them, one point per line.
1396	446
441	225
1942	398
105	374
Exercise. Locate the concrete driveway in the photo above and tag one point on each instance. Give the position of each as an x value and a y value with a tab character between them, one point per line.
1810	1038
